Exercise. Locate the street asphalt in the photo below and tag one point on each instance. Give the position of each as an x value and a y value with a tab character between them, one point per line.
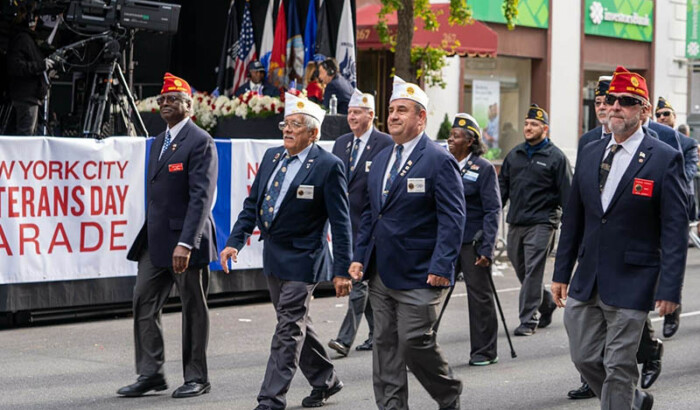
80	365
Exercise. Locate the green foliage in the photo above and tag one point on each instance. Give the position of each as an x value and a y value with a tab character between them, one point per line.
492	153
427	62
445	127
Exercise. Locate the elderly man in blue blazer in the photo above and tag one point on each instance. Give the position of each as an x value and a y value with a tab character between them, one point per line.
298	189
175	245
408	241
357	150
625	224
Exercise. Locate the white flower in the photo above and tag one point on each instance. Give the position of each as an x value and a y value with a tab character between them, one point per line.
241	111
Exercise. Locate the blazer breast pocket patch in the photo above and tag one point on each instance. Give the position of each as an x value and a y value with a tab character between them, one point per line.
643	187
305	192
175	167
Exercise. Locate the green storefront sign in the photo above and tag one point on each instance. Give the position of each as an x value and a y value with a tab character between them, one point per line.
692	34
531	13
626	19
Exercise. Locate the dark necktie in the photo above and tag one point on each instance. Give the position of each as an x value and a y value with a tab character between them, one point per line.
354	154
606	165
166	144
267	212
607	134
392	173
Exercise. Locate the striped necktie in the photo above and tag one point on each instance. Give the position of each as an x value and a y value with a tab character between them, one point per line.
267	212
166	144
354	155
392	173
606	165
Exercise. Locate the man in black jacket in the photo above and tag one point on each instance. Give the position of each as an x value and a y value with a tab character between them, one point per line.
536	177
26	69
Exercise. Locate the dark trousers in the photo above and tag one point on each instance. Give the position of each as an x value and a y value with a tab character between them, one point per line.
26	116
357	305
404	336
648	343
153	285
294	344
483	322
528	247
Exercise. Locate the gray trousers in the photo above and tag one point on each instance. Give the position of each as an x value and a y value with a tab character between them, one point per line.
294	344
403	336
595	327
483	322
26	116
357	305
153	286
528	247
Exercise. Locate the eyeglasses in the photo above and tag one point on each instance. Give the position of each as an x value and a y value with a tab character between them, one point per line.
624	101
169	98
663	113
599	103
295	125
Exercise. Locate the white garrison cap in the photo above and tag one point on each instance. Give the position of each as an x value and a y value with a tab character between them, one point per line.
358	99
409	91
605	78
301	105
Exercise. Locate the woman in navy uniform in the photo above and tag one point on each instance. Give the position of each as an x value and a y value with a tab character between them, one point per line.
483	200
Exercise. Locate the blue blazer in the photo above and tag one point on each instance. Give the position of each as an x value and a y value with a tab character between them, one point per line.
592	135
179	195
357	180
342	88
483	203
267	89
666	134
295	245
634	253
413	233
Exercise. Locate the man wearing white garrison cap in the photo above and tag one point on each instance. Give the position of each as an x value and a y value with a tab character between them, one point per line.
407	244
357	150
297	190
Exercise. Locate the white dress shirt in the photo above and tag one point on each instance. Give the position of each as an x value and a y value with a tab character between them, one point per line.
176	129
364	139
407	150
463	163
621	160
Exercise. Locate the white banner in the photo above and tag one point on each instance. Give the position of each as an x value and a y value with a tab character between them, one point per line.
69	208
245	161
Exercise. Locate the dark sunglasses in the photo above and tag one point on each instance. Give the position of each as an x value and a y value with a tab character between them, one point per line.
171	99
624	101
663	113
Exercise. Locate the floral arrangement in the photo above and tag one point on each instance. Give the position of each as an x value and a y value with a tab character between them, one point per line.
208	109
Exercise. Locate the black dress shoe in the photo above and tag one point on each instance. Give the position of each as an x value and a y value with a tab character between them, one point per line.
651	369
262	407
339	347
191	389
143	385
672	322
452	406
546	315
643	400
524	330
318	397
367	345
583	392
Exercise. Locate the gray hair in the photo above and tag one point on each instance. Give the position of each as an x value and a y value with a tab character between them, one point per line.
313	124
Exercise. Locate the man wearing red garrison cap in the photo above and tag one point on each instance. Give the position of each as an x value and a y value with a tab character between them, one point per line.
626	225
175	245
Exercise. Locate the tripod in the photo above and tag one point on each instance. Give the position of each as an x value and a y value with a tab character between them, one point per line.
111	99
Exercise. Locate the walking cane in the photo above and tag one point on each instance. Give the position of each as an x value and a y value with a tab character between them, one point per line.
503	318
444	306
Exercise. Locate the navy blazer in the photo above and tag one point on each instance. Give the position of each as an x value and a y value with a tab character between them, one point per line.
593	135
179	196
357	180
633	253
267	89
413	233
690	157
483	203
295	245
666	134
343	89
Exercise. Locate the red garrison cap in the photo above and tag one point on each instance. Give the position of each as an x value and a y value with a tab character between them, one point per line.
172	83
624	81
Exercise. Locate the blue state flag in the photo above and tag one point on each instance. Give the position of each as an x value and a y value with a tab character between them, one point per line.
295	44
310	33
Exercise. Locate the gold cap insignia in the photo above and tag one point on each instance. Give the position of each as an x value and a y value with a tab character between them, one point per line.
462	123
634	81
364	100
300	104
178	83
410	90
539	113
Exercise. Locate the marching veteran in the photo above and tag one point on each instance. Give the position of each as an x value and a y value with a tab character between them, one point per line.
625	225
175	245
483	203
409	240
297	190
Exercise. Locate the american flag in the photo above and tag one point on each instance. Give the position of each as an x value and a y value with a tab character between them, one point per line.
246	49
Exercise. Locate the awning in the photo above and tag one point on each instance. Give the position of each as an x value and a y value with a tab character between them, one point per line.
475	40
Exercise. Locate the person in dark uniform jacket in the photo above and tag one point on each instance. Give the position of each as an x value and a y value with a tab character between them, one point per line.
175	245
335	84
298	189
257	82
601	112
535	177
634	178
409	240
357	150
483	203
